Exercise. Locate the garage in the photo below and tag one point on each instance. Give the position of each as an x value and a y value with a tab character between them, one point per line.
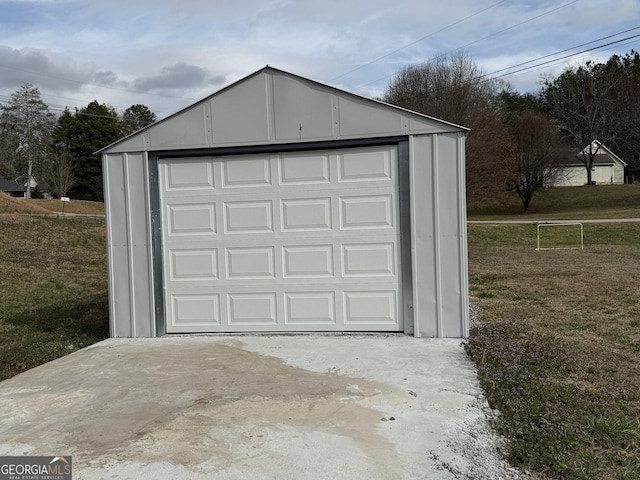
283	205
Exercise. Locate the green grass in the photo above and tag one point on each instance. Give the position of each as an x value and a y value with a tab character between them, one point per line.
525	235
53	289
570	203
557	348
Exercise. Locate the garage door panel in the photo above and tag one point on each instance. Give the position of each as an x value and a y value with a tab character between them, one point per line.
307	261
191	219
195	310
303	241
193	264
304	169
366	166
246	172
310	308
248	217
252	309
306	214
190	175
369	259
370	307
250	262
369	211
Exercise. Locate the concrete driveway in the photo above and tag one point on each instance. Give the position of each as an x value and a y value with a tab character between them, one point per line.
256	407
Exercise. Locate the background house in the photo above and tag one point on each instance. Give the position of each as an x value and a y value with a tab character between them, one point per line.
18	188
283	204
608	168
12	188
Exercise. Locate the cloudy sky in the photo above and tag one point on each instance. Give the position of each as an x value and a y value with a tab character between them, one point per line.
169	54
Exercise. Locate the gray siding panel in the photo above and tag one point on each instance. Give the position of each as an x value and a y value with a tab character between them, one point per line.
119	311
126	193
138	221
439	236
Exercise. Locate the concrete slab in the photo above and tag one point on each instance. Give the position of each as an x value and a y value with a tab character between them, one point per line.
259	407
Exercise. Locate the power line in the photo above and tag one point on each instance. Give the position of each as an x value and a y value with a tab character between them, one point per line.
475	41
487	77
561	58
417	41
447	27
569	49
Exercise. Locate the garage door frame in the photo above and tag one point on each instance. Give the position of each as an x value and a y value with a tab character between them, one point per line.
404	220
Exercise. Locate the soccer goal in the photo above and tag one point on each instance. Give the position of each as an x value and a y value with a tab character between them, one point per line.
563	236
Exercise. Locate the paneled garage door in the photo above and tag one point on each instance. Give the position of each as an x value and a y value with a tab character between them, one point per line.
305	241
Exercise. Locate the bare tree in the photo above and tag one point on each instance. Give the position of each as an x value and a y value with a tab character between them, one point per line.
28	123
538	149
58	172
455	89
582	102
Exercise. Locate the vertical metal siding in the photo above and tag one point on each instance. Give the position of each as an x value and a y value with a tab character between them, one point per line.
119	299
137	228
463	239
126	201
438	235
450	237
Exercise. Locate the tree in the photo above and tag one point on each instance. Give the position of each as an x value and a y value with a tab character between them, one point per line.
582	103
625	141
80	135
514	103
136	117
58	172
453	88
27	122
538	148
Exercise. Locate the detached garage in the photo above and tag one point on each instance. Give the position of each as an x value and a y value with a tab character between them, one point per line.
279	204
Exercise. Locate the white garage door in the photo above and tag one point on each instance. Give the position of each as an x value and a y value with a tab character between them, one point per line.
305	241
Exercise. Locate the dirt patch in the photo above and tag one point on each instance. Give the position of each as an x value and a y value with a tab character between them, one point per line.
189	404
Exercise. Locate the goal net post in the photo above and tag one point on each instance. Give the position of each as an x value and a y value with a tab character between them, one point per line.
560	236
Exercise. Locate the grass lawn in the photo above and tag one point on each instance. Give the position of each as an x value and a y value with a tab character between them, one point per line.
53	284
558	347
48	207
567	203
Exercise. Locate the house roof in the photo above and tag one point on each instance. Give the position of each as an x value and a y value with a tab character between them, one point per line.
603	155
272	106
11	186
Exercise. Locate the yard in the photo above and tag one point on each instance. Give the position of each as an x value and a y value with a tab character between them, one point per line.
53	285
557	346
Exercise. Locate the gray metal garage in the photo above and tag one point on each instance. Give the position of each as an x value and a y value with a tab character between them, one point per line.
279	204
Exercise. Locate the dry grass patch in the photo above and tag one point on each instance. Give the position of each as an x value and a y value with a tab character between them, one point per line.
36	206
53	288
558	349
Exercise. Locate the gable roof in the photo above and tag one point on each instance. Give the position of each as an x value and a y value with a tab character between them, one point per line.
603	156
272	106
601	151
11	186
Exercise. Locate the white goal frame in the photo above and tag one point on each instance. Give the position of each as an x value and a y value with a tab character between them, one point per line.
540	225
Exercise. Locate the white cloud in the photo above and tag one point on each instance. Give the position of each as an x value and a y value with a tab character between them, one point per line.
168	54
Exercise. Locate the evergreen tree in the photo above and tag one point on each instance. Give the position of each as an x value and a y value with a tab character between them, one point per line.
80	135
136	117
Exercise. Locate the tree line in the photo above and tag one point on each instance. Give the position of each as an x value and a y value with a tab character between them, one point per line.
518	140
59	152
515	142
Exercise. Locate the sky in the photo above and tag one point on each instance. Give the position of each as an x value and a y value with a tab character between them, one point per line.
169	54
